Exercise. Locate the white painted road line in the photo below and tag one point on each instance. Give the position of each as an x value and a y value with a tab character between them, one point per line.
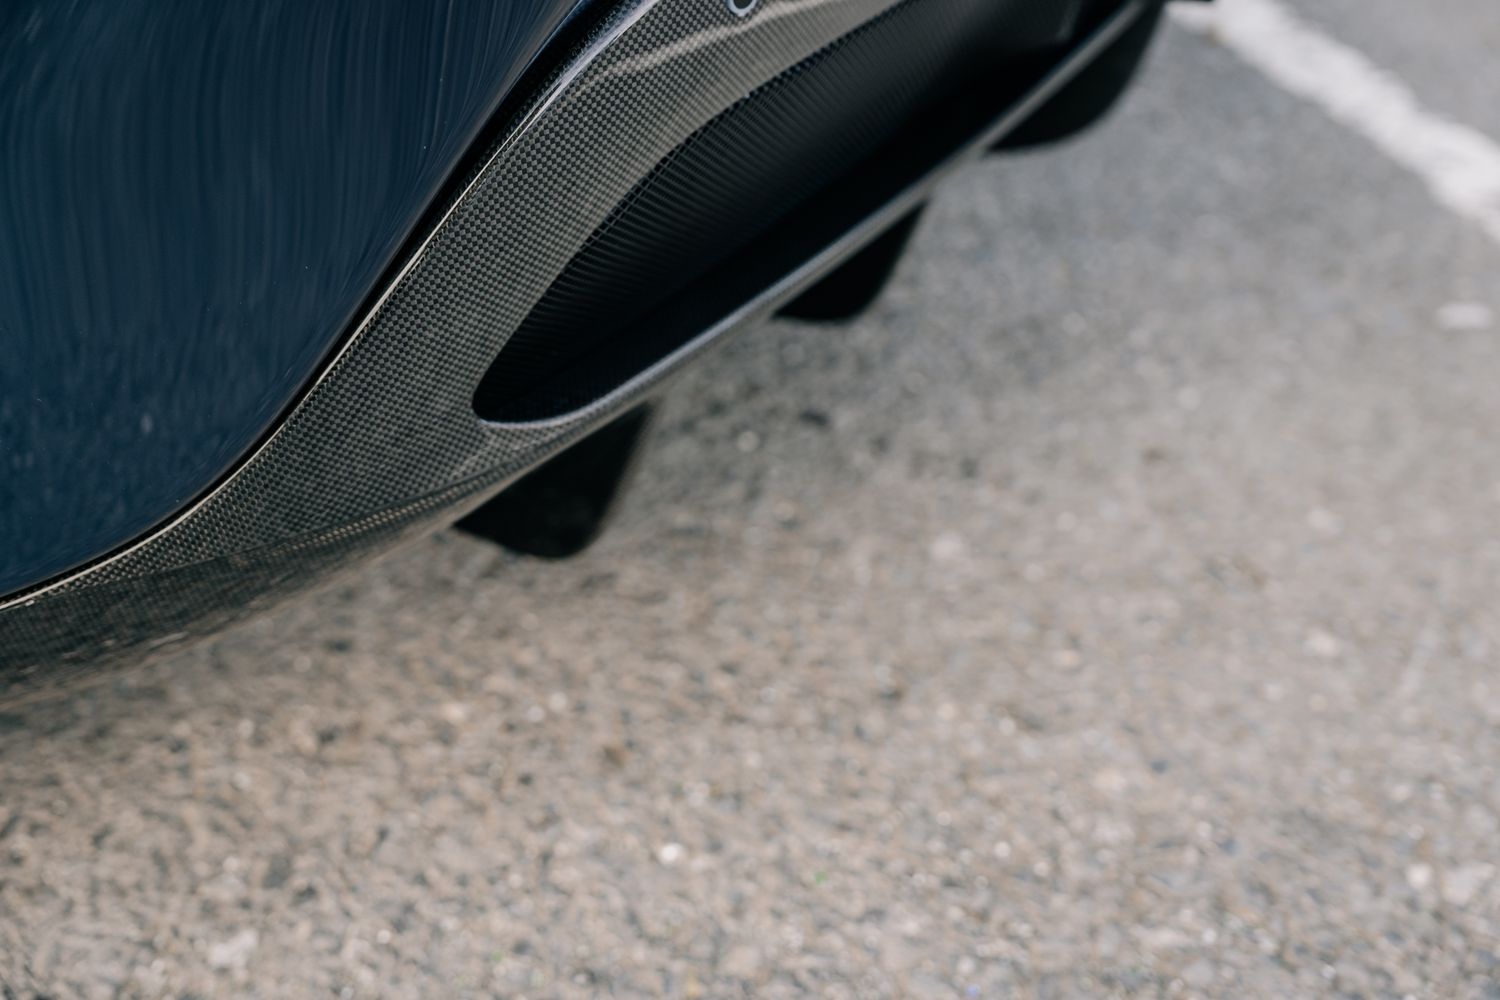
1460	165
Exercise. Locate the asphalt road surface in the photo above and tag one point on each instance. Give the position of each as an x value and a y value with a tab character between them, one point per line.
1112	612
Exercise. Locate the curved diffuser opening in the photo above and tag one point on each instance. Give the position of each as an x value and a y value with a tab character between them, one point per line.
762	188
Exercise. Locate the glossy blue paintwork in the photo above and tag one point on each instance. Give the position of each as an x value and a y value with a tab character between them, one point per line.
195	199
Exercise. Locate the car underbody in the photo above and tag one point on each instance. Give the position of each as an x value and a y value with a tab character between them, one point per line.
664	174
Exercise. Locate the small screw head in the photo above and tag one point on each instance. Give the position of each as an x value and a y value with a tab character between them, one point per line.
742	8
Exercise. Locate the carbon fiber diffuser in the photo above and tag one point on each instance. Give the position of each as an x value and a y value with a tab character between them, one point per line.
685	170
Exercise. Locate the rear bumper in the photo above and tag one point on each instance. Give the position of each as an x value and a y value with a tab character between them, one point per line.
386	444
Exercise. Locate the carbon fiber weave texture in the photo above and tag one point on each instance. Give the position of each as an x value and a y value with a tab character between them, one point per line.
386	444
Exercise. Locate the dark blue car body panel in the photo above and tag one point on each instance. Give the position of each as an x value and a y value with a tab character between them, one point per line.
196	199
